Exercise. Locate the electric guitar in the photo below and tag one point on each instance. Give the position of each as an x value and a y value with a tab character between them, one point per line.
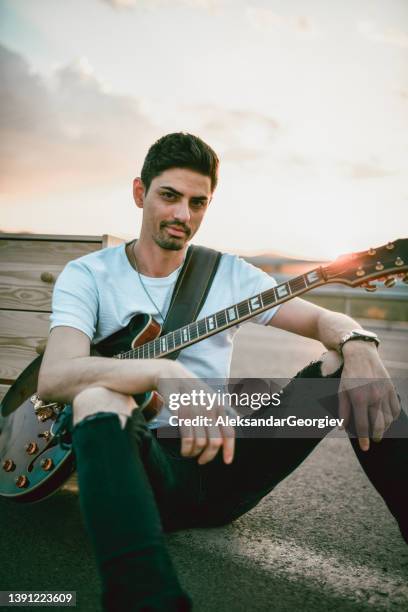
35	449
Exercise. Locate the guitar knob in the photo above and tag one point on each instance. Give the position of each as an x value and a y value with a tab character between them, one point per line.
379	266
390	246
31	448
22	481
360	271
372	252
399	261
389	282
47	464
47	277
9	465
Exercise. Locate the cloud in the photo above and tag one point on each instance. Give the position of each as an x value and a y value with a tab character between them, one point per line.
389	36
65	131
69	131
121	3
266	19
210	5
365	170
237	135
243	135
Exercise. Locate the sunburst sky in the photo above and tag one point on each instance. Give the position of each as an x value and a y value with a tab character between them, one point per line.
306	104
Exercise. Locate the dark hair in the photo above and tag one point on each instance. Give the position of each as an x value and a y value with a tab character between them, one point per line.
180	150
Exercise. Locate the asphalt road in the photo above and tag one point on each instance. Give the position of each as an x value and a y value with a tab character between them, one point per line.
323	539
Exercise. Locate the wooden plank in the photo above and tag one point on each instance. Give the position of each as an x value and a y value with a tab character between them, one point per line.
43	252
22	335
111	241
65	237
29	269
25	287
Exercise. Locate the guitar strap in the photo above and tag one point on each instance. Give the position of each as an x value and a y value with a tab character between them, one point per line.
192	287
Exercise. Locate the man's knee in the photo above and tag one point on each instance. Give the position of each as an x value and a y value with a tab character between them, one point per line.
331	361
100	399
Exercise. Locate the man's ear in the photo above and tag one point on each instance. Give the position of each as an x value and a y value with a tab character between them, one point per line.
138	192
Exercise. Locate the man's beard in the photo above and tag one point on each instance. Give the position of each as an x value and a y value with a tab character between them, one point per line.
170	243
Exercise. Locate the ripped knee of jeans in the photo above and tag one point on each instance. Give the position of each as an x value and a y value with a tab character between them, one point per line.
331	363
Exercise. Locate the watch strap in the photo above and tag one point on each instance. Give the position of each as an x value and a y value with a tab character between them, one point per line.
358	335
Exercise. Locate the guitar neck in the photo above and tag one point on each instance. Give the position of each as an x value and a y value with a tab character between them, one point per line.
228	317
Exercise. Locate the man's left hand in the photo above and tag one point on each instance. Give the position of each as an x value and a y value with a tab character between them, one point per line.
367	392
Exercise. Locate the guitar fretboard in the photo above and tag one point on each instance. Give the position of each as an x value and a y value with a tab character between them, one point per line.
223	319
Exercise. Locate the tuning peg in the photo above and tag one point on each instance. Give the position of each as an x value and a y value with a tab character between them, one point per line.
22	481
31	448
399	261
47	464
370	287
389	282
390	246
379	266
9	465
371	252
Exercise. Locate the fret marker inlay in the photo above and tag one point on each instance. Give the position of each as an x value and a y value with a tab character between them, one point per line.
255	303
231	314
312	277
282	291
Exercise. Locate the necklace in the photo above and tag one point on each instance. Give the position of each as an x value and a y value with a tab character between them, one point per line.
134	263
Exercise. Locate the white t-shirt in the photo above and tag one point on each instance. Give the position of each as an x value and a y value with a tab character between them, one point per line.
99	293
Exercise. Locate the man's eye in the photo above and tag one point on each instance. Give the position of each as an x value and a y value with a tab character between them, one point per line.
198	204
168	196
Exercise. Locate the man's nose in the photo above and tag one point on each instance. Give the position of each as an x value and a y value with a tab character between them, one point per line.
182	211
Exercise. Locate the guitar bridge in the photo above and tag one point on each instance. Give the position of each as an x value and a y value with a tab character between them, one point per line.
44	411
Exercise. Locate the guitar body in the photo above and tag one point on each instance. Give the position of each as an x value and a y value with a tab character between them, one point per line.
33	462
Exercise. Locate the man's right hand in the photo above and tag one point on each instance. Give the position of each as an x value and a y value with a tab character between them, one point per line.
203	440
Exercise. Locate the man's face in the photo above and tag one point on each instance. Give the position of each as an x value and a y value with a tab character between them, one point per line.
174	206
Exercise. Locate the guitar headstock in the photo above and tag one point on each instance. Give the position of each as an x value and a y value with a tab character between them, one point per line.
384	262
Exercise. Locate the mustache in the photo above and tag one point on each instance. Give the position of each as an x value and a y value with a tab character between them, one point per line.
178	225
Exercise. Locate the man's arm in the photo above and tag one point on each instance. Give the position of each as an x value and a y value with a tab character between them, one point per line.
377	405
67	368
306	319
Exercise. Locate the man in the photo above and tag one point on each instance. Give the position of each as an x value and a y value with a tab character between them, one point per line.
133	484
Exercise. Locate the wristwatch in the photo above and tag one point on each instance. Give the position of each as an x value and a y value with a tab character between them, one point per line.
359	334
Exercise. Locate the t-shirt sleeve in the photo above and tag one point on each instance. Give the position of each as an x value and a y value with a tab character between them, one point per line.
75	299
253	280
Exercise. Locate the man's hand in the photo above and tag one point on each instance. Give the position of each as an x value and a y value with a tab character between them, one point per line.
206	438
375	404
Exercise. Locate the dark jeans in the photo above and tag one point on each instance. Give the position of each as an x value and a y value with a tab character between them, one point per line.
135	485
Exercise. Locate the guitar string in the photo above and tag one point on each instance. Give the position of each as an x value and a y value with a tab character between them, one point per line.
275	296
288	284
